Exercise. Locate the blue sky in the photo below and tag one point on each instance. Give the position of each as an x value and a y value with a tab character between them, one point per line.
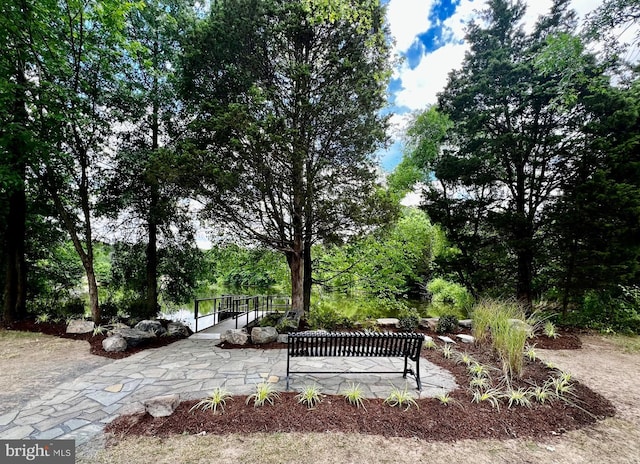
429	36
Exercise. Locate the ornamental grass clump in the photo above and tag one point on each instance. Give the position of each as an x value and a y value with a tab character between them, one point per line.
265	393
354	395
503	324
218	399
310	396
400	398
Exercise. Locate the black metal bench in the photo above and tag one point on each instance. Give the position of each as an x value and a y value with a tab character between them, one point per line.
356	344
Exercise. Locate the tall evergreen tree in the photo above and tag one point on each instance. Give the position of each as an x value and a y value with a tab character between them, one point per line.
513	140
288	95
146	187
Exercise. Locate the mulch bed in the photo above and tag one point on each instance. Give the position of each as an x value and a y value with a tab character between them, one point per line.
432	420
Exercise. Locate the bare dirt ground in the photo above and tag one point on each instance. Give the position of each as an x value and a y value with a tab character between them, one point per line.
600	364
31	363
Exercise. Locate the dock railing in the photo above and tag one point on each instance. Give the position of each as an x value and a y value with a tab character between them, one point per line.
238	307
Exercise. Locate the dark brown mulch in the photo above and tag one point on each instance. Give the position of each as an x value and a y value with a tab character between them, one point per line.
432	421
95	341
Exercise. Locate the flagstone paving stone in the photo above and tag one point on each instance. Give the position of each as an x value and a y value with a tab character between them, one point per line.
79	409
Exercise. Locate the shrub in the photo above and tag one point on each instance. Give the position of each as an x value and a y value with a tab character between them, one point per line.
270	320
139	310
324	316
447	324
456	295
408	319
73	308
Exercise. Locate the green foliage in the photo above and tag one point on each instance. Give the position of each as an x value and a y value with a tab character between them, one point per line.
518	397
542	394
408	319
530	352
217	399
265	393
430	344
241	267
465	358
354	396
287	325
549	329
502	323
450	293
400	398
609	312
447	324
310	396
324	315
490	395
447	351
388	265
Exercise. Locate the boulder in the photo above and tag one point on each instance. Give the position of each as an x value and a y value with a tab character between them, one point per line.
283	338
162	406
429	323
134	337
466	338
80	326
154	327
465	323
114	343
388	321
235	336
262	335
177	329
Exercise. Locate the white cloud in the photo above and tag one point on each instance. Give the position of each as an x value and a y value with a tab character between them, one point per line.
421	84
407	19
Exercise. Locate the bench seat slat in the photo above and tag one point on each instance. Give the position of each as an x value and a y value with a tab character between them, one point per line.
356	344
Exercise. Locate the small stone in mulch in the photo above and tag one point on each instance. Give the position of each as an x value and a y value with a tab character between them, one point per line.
446	339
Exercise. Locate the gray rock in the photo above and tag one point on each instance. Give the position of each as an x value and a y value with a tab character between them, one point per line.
446	339
80	326
154	327
465	323
114	343
429	323
162	406
132	408
235	336
177	329
465	338
262	335
388	321
134	337
283	338
116	326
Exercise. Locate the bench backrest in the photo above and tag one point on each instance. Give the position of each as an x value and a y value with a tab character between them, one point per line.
369	344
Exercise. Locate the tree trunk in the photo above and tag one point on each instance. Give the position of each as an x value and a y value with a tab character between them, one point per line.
296	265
152	243
15	284
152	258
307	280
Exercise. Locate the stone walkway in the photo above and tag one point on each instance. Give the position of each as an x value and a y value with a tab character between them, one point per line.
79	409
